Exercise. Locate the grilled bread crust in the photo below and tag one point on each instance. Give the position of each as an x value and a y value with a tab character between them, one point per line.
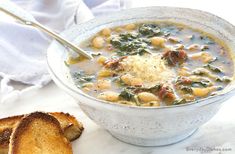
72	128
39	133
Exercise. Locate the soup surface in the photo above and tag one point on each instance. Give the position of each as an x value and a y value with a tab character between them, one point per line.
152	64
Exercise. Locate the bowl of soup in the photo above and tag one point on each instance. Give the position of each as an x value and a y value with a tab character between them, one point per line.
157	73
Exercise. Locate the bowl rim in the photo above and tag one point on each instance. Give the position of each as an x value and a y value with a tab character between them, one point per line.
103	102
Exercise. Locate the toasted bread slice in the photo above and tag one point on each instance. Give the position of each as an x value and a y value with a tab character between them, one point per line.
71	127
6	126
39	133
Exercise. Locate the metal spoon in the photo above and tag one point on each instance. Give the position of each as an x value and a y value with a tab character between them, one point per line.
27	19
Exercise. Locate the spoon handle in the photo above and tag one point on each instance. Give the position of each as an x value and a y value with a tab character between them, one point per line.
61	40
19	14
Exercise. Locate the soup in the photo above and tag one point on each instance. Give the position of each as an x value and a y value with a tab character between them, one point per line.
152	64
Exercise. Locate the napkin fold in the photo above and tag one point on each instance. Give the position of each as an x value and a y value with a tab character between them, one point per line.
23	48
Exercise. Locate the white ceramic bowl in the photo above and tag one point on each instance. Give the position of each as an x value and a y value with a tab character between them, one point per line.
149	126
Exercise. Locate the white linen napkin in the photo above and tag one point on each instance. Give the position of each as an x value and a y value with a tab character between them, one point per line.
23	48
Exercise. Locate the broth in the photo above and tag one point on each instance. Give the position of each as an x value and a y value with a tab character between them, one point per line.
152	64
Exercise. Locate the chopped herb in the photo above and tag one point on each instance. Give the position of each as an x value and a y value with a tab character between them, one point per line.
142	51
170	30
133	45
186	89
213	60
118	81
199	72
128	36
87	78
115	41
213	68
182	81
180	101
146	40
149	30
223	79
127	94
155	88
130	44
121	53
204	83
81	78
134	90
66	63
137	100
204	47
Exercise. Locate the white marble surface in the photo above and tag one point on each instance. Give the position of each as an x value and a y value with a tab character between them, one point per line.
218	132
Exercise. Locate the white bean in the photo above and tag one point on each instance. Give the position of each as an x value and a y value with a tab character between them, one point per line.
158	41
88	85
105	73
103	84
147	97
101	59
98	42
130	27
106	32
194	47
109	96
174	39
131	80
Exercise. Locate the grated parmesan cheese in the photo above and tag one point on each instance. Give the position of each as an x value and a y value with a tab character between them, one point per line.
150	68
